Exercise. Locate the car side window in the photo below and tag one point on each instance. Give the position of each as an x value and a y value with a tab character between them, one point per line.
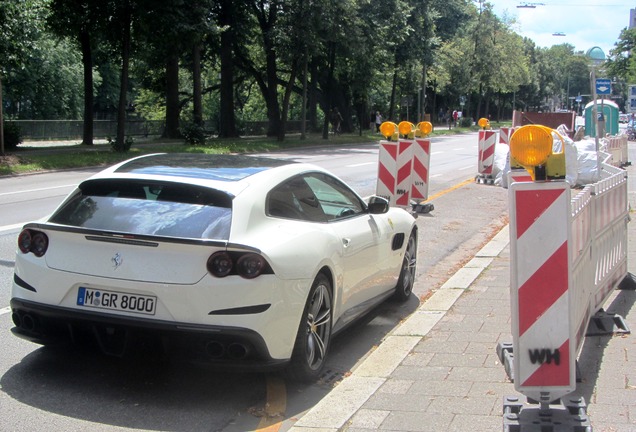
294	199
336	199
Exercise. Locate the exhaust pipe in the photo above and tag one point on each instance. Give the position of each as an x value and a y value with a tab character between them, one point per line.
237	351
28	322
215	349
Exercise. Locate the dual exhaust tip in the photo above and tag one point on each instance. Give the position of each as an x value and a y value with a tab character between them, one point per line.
233	351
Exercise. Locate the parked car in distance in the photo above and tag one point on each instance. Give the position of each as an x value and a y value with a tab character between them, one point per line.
623	118
231	260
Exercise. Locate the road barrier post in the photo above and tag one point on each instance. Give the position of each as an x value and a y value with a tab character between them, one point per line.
567	255
403	166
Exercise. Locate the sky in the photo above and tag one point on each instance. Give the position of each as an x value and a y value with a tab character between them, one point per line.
584	23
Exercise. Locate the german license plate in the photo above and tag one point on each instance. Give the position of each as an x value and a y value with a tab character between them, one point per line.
118	301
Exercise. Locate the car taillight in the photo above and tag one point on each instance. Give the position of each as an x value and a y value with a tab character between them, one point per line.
220	264
33	241
250	266
246	265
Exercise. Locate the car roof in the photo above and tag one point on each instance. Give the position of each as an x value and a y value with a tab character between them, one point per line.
230	173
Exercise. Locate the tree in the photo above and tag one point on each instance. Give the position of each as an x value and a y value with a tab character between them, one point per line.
20	25
79	20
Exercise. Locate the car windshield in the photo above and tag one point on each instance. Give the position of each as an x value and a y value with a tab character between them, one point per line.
148	208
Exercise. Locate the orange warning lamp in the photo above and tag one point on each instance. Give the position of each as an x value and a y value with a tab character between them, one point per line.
406	128
483	123
531	148
423	129
389	130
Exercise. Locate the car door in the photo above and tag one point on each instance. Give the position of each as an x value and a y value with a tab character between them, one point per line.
363	237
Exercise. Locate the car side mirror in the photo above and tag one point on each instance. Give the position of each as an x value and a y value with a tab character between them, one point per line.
378	205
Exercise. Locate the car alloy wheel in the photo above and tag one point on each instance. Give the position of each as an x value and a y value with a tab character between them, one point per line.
314	334
407	274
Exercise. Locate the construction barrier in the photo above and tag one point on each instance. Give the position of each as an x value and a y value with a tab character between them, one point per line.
403	166
486	156
617	147
567	255
504	134
421	163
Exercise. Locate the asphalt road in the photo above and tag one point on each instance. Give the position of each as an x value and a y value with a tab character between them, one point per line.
78	390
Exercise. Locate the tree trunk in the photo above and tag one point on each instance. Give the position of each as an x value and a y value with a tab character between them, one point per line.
1	120
197	101
123	90
303	109
393	91
327	99
227	122
87	62
172	98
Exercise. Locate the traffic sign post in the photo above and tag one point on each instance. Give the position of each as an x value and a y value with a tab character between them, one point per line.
603	86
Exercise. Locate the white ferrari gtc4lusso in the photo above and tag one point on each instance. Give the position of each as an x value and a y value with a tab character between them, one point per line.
235	260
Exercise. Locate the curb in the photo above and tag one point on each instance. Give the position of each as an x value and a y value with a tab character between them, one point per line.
335	409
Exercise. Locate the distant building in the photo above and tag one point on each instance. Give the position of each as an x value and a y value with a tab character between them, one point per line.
632	18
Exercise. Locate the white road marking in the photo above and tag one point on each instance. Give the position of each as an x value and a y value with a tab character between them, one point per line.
5	310
359	165
465	168
37	190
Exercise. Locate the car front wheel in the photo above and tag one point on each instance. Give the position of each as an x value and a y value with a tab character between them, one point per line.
406	279
314	333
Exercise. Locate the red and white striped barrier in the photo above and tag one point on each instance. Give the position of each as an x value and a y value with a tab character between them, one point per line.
567	255
540	287
387	170
504	134
403	171
486	145
421	163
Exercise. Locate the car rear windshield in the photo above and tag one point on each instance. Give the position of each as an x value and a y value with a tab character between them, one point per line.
148	208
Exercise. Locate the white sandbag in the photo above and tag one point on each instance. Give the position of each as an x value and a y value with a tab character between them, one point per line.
501	161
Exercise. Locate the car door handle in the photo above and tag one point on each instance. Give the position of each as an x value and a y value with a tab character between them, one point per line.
345	242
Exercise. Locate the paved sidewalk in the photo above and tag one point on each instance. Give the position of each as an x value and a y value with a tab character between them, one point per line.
439	370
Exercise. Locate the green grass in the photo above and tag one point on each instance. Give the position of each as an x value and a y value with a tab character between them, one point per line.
29	160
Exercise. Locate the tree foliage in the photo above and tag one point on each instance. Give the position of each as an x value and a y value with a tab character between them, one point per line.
214	64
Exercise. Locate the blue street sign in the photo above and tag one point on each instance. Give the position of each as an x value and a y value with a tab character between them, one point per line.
603	86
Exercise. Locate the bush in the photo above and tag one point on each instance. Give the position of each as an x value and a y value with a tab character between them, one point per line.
193	134
120	147
12	136
465	122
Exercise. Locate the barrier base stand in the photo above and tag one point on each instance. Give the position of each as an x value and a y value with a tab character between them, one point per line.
569	415
484	179
628	282
506	357
422	207
603	323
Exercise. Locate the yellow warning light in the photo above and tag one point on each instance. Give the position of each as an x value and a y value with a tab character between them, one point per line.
531	147
406	128
483	122
424	128
388	129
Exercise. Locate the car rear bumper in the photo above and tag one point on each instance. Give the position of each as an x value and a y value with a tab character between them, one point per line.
121	335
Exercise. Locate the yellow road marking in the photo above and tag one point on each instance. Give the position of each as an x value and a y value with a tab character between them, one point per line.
275	405
450	189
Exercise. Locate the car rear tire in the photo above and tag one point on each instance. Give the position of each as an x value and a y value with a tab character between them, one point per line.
404	287
314	333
